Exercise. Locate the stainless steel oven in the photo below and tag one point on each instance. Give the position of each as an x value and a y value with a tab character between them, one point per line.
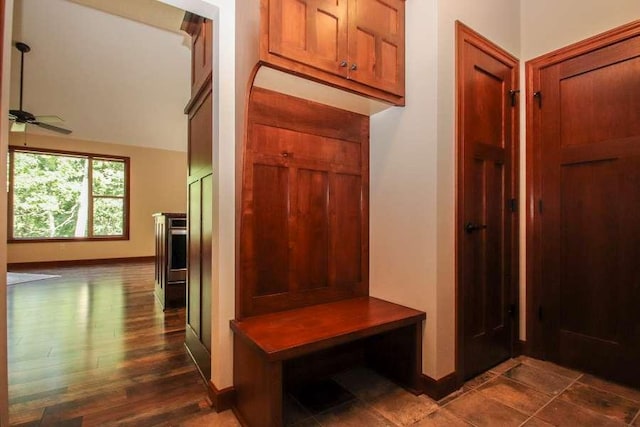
177	250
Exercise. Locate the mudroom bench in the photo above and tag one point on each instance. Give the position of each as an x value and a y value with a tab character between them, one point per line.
269	347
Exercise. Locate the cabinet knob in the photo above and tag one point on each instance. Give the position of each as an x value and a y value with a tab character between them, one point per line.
343	64
354	67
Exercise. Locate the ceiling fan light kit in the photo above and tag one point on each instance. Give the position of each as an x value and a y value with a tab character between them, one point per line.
23	118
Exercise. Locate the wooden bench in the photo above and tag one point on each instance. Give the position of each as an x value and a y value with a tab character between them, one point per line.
390	334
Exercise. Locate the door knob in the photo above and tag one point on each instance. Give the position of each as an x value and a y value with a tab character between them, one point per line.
343	64
470	227
354	67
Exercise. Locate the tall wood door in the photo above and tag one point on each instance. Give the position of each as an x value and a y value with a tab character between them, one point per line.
486	193
312	32
589	114
200	196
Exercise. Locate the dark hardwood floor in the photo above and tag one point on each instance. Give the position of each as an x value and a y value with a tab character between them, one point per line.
93	347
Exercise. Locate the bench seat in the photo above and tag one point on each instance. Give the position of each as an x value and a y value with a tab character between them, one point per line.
262	343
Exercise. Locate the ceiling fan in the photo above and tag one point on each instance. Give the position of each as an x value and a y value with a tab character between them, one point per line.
22	118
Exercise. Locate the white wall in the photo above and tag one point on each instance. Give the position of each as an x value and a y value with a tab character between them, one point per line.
403	186
4	137
570	21
413	169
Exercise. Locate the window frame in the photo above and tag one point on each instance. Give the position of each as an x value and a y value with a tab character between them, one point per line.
90	158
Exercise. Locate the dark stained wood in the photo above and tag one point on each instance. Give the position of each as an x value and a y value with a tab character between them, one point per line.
200	195
77	262
293	333
309	339
270	229
487	180
586	138
258	384
535	333
304	233
438	389
221	400
354	45
106	354
201	31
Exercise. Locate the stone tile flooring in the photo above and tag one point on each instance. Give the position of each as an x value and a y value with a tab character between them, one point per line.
519	392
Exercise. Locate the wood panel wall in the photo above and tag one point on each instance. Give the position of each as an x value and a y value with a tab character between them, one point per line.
304	232
200	193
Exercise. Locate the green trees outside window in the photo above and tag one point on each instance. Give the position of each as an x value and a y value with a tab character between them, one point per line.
58	195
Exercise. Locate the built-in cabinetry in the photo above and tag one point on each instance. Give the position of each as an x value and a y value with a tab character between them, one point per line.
171	258
200	193
357	45
304	236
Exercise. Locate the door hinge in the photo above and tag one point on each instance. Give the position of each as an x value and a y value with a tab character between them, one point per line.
540	205
540	313
512	310
513	205
513	93
538	96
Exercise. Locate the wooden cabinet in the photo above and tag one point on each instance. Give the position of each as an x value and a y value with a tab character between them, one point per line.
200	194
304	220
356	45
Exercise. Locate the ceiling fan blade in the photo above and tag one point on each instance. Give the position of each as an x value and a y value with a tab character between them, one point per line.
18	127
52	128
49	119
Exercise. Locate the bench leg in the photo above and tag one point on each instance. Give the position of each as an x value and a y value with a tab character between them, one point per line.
397	355
258	385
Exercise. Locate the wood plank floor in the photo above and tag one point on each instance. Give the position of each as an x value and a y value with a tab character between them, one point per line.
93	347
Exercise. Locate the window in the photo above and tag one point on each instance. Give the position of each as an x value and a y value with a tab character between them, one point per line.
55	195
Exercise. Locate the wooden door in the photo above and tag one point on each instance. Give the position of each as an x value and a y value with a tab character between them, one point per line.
376	44
312	32
200	196
589	130
487	149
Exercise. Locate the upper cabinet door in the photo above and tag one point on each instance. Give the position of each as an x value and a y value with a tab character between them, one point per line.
313	32
376	44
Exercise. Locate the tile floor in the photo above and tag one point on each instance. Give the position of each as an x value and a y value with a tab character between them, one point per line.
519	392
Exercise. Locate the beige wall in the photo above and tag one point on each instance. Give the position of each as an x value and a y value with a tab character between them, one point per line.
157	184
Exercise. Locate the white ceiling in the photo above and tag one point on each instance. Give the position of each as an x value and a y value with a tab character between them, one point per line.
111	79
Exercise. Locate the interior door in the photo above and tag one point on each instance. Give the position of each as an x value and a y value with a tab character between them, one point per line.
589	113
486	199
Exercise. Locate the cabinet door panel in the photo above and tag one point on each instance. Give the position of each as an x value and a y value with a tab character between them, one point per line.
346	229
376	43
313	32
270	229
201	55
312	229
